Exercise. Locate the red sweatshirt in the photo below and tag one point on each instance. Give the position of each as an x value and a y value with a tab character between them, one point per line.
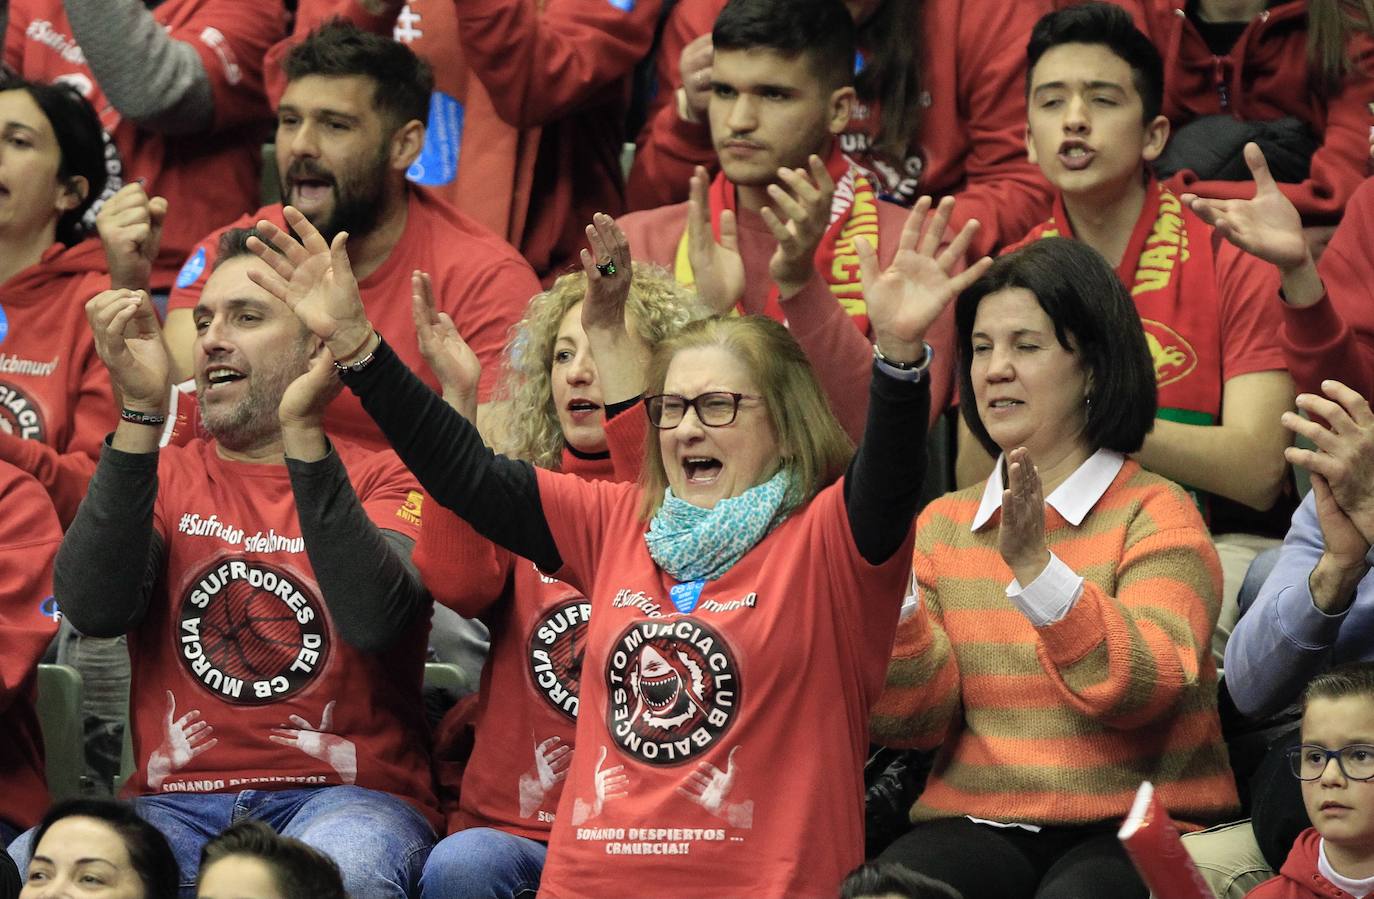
1299	878
209	179
525	127
29	537
972	137
56	405
1335	337
1265	77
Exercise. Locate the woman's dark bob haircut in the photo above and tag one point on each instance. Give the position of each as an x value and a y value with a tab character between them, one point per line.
1094	317
149	854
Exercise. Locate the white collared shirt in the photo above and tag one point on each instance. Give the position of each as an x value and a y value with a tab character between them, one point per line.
1053	593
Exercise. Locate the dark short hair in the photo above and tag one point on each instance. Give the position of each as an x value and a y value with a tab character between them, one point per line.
80	140
402	81
890	879
1353	679
822	29
1110	26
233	243
300	871
1093	316
149	853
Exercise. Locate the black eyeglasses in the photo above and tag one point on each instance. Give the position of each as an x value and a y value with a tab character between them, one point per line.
1308	762
715	409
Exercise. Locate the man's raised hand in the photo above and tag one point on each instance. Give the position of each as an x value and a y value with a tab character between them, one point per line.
315	279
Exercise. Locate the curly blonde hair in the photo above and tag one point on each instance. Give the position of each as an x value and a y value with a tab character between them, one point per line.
658	307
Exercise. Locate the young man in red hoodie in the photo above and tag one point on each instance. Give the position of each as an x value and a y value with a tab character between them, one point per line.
774	231
1333	859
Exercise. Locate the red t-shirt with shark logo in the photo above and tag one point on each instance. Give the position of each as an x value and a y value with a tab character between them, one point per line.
242	681
722	731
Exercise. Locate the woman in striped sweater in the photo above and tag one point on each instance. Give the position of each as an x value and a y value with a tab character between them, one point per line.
1057	647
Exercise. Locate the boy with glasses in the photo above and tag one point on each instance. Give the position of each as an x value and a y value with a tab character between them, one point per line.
1335	762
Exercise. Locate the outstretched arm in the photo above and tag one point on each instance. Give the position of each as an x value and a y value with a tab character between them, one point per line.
498	496
882	488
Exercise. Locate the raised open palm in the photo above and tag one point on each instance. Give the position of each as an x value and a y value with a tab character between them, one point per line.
315	279
1267	226
906	298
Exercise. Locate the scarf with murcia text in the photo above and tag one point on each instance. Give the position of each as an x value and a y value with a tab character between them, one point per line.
853	213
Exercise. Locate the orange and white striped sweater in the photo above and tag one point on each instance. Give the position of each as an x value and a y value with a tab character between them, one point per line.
1059	725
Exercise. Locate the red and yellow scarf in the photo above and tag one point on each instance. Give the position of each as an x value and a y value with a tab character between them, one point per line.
853	213
1173	283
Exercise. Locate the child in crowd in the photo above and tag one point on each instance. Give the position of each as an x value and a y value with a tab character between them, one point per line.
1335	762
251	861
886	880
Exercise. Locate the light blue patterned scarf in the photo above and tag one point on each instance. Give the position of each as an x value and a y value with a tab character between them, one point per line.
692	543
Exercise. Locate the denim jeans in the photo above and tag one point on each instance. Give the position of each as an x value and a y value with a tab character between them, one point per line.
483	863
379	842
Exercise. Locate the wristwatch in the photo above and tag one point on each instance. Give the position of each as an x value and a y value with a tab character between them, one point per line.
904	371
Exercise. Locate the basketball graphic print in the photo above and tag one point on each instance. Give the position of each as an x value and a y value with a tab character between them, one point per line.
251	632
20	415
673	688
556	647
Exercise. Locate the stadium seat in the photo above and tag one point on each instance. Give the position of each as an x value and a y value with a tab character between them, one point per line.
445	676
59	714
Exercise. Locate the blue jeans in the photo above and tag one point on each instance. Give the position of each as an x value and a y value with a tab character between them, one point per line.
379	842
483	863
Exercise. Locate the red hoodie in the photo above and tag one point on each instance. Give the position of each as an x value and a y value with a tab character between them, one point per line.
56	404
209	179
1263	78
526	121
1299	878
29	537
973	119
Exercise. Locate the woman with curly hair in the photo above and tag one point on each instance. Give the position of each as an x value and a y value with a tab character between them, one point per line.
555	418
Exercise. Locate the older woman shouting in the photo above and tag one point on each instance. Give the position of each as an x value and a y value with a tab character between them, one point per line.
1058	646
743	600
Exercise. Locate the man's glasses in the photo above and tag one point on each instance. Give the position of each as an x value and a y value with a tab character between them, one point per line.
1356	761
715	409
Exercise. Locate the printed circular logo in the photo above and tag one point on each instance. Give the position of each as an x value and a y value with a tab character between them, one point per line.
250	633
20	415
1174	357
557	644
673	689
